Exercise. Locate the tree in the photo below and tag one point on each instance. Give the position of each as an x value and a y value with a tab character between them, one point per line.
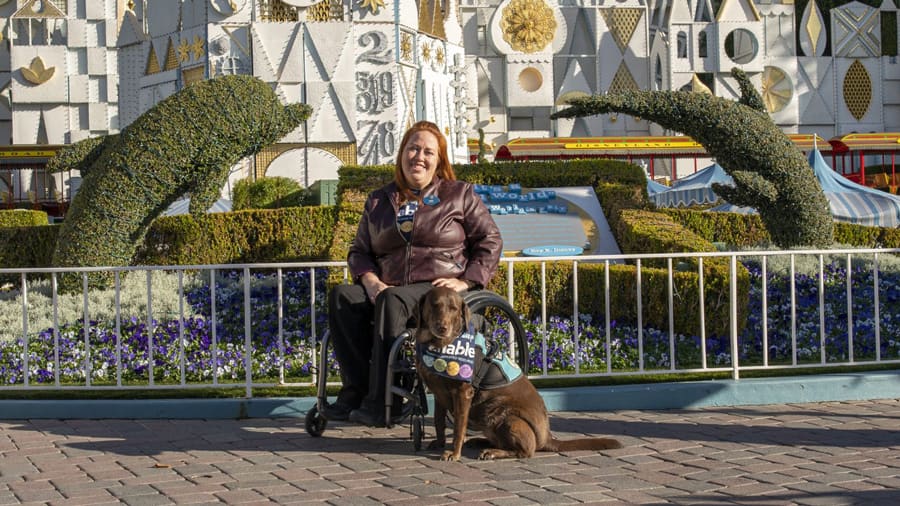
769	172
185	145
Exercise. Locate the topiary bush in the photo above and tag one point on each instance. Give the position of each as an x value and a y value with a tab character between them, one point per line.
22	218
184	145
769	172
267	193
252	236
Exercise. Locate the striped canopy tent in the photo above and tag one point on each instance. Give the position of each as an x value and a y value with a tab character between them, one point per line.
850	202
181	206
694	189
653	187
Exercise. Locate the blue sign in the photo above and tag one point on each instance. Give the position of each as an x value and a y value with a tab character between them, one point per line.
552	251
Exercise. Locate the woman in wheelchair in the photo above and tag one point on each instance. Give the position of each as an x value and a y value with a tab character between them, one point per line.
423	229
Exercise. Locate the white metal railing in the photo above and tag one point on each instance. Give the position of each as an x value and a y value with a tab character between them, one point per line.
257	325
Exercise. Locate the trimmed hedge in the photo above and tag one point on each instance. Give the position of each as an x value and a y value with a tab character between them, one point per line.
271	192
747	230
255	236
28	247
23	218
621	189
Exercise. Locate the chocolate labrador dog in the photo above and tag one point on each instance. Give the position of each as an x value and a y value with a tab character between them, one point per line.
451	359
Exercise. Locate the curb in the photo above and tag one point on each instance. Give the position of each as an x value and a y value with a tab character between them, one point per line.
655	396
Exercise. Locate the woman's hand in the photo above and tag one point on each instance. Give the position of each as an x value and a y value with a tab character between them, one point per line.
460	285
373	285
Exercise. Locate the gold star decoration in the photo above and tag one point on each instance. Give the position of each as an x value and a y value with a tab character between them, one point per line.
184	51
372	5
406	47
426	52
197	47
439	56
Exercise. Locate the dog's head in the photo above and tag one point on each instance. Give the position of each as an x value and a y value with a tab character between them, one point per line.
443	315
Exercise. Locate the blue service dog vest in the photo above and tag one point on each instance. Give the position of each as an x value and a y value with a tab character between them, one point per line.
468	359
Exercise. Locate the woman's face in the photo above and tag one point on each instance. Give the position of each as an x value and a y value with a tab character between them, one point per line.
420	159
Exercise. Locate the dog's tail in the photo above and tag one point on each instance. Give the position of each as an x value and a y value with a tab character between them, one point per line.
588	443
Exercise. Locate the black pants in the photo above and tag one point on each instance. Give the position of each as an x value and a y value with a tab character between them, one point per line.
362	334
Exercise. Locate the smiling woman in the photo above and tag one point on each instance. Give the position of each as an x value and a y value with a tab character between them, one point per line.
423	229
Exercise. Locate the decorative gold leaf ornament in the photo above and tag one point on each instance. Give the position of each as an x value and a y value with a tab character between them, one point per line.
528	25
36	73
372	5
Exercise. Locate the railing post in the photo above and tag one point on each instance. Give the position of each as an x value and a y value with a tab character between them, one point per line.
86	326
735	351
25	369
150	326
248	363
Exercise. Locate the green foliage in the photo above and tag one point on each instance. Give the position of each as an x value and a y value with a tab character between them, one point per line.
623	291
769	172
186	144
27	247
254	236
747	231
22	218
621	189
267	193
80	156
728	228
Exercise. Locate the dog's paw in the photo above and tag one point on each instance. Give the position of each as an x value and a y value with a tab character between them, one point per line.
436	445
488	454
449	455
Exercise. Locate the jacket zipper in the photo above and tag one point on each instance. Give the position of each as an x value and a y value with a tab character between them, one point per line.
409	248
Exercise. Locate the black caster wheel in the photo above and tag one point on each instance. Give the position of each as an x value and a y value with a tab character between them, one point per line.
315	423
418	431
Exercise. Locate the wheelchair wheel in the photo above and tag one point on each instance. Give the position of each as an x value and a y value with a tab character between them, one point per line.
500	324
418	430
315	422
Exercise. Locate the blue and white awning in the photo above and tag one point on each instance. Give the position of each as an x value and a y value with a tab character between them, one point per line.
850	202
692	190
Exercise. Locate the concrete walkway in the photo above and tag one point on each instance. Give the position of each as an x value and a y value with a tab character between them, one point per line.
818	453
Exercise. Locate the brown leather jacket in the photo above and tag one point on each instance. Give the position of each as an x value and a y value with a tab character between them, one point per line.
453	238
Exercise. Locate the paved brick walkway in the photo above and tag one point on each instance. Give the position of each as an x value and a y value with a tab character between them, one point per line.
824	453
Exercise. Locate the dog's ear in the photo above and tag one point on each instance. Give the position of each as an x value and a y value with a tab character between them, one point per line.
423	310
423	314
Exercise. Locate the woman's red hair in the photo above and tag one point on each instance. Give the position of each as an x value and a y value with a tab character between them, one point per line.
444	167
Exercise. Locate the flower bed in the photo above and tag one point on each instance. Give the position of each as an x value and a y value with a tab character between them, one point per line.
296	354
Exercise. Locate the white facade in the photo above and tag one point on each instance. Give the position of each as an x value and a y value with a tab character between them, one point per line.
71	69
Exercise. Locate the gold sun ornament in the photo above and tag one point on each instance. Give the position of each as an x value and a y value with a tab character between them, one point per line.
36	73
528	25
372	5
184	51
406	47
197	47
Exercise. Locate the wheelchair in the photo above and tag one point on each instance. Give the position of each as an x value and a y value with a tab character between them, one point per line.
494	318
